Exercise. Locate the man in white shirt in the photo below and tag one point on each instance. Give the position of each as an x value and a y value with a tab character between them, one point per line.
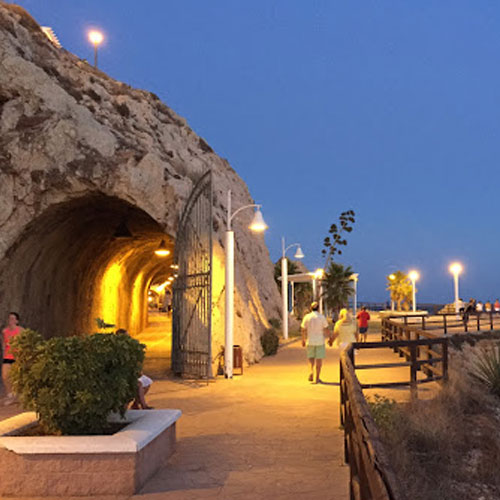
314	329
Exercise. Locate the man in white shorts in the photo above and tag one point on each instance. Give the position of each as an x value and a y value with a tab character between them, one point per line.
314	329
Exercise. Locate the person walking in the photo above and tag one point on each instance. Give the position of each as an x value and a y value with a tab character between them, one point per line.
470	308
314	329
8	333
479	307
345	330
363	317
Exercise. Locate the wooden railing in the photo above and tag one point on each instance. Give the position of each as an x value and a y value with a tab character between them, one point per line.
450	322
371	475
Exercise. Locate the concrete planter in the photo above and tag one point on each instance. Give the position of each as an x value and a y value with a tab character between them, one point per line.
66	466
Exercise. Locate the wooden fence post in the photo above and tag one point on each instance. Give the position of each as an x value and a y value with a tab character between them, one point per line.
423	322
478	315
445	326
491	320
445	360
413	371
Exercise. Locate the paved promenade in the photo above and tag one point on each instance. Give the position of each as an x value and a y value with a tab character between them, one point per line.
268	434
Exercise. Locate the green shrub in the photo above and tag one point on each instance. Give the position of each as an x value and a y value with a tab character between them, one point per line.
73	383
384	411
275	323
270	342
486	368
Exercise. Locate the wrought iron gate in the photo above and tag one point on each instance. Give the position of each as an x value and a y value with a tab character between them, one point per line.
192	299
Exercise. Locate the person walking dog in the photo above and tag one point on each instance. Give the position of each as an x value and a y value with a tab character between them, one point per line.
314	329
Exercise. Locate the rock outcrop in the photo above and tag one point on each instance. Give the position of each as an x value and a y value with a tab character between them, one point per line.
80	152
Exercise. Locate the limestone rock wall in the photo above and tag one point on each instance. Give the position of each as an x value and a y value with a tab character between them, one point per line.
68	132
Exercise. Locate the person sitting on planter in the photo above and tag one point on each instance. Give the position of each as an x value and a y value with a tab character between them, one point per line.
143	385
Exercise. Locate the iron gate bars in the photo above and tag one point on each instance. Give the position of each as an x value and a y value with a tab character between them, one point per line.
192	297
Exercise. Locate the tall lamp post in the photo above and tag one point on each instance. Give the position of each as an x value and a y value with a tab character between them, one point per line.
284	281
318	294
257	225
392	277
456	269
95	38
354	277
414	276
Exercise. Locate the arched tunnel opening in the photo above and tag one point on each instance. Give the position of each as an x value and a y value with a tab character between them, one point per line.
92	257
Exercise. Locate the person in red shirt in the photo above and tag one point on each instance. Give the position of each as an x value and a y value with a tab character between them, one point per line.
8	333
363	318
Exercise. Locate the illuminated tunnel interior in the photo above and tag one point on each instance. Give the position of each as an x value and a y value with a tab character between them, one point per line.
76	263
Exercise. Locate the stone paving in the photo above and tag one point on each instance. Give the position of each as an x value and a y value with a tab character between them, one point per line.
267	434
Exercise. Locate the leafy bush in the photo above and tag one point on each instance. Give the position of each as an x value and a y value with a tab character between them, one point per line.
270	342
73	383
384	411
486	368
275	323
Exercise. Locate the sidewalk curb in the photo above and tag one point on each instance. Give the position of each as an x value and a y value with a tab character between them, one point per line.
288	342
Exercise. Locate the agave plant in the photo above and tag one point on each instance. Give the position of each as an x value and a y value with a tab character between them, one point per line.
486	368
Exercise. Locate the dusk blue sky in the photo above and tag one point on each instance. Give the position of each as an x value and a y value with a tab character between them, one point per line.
389	108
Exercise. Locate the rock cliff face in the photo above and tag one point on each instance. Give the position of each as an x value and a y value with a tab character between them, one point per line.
80	153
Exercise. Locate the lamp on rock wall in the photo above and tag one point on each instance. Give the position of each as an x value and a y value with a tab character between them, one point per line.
162	250
257	225
122	231
95	38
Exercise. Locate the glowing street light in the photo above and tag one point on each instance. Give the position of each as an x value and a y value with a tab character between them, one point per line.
318	275
456	269
392	277
95	38
414	276
284	282
257	225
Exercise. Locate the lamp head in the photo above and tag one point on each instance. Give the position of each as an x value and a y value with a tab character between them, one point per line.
355	276
258	224
318	274
456	268
413	275
162	250
299	254
392	277
96	37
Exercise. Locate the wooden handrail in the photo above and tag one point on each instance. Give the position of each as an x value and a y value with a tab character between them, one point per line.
371	475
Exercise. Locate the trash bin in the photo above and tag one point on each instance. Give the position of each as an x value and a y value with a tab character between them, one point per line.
237	359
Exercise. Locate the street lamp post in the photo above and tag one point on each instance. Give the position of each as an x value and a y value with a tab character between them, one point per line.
284	282
95	38
257	225
318	275
354	277
414	276
392	277
455	269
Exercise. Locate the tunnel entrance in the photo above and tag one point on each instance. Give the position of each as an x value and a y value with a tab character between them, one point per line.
92	257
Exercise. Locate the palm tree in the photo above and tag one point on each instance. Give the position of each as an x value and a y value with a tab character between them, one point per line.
400	288
337	286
